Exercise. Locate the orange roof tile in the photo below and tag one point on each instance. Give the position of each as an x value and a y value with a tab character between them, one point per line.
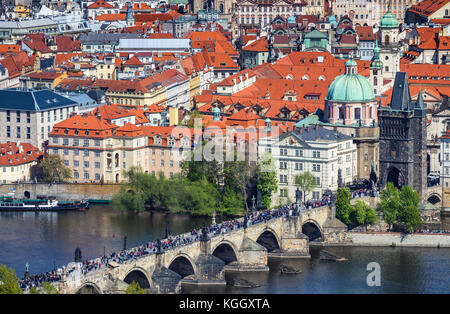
12	153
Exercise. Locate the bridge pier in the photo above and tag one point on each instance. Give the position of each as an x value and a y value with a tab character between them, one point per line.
334	230
254	255
209	267
164	280
294	243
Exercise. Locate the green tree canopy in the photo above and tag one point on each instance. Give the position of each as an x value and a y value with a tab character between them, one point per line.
53	169
266	176
358	213
410	217
135	288
389	204
343	207
306	182
9	283
48	288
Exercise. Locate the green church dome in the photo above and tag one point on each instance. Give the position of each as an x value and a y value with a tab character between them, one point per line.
350	88
351	62
389	20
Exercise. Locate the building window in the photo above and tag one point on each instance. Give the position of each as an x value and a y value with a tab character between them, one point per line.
299	166
316	167
86	143
86	164
76	163
97	142
97	164
76	175
66	163
86	153
18	116
18	132
75	152
66	151
86	175
97	176
283	178
316	154
65	141
283	151
283	164
97	153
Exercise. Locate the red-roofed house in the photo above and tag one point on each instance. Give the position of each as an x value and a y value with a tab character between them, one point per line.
97	150
18	162
255	53
427	10
100	7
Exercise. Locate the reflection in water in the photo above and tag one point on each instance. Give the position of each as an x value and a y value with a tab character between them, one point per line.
46	239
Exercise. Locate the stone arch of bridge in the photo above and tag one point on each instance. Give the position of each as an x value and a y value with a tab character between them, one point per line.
269	239
312	229
226	251
89	288
139	275
183	265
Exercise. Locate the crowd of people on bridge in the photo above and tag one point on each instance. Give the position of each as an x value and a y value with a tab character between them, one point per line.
152	247
36	280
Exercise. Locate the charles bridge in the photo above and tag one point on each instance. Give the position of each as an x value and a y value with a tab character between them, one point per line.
206	260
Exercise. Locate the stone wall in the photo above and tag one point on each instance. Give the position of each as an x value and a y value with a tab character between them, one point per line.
399	239
75	191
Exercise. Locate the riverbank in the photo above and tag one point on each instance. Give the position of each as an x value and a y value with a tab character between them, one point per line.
383	239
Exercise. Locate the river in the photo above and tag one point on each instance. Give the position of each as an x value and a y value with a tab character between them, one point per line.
44	240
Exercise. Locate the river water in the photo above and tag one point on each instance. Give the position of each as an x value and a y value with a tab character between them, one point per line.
44	240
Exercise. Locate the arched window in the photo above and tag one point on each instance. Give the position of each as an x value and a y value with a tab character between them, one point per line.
386	40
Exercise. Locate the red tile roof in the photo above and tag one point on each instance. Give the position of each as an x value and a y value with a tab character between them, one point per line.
12	154
258	45
86	126
100	4
428	7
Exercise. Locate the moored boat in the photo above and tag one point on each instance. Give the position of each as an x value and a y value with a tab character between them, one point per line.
10	204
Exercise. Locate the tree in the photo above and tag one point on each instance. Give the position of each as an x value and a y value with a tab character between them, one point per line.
362	214
343	207
410	217
389	204
53	169
266	176
135	288
371	217
409	212
306	181
9	283
358	213
48	288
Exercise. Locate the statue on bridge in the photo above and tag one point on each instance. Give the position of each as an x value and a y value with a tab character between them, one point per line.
158	246
204	235
77	255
